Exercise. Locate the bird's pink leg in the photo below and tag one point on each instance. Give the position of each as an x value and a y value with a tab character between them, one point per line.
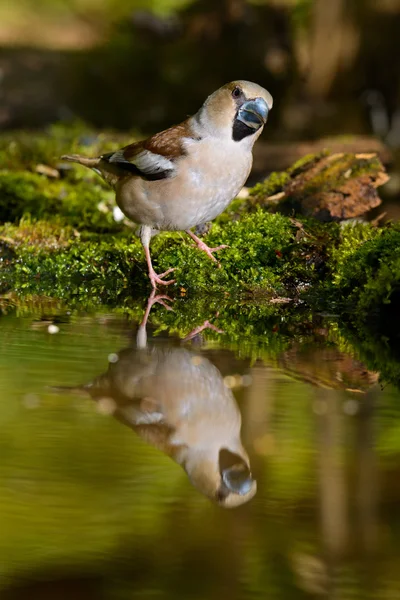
153	299
202	246
153	276
197	330
141	339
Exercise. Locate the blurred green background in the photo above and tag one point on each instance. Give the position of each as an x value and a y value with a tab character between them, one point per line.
332	65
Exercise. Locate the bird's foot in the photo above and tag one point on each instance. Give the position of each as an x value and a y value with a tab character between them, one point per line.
159	299
209	251
159	279
141	338
197	330
155	299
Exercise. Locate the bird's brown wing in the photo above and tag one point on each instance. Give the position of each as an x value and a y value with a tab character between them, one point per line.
154	158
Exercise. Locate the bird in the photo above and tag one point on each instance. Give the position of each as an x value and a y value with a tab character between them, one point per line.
176	400
187	175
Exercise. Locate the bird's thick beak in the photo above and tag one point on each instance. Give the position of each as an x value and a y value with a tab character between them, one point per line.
254	113
238	479
235	472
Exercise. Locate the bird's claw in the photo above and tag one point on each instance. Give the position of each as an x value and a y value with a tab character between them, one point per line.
197	330
203	246
209	251
158	279
160	300
141	338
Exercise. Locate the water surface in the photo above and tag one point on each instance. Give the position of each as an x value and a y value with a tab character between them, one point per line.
120	457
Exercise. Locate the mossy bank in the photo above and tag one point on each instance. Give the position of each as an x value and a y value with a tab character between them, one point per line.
60	238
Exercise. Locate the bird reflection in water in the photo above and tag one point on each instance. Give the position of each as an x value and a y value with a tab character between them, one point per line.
177	400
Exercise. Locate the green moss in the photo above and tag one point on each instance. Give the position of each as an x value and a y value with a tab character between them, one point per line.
259	247
85	205
95	266
369	165
334	171
25	150
350	237
273	184
61	238
37	234
368	270
236	209
378	352
305	162
267	252
328	187
335	187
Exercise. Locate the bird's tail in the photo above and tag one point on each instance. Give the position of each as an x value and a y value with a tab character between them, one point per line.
98	165
82	160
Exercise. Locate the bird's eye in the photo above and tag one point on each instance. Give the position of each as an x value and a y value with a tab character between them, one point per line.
237	92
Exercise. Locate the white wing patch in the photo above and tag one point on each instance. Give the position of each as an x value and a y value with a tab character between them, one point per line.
151	164
148	164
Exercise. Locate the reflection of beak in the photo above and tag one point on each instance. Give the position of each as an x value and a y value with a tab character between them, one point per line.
254	113
236	476
238	479
228	482
235	500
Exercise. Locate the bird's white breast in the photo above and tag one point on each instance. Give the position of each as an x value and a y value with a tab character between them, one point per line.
208	177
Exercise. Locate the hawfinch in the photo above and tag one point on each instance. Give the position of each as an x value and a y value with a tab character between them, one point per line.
177	401
188	174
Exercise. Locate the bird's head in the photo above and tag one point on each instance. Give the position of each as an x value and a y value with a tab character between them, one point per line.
238	109
221	474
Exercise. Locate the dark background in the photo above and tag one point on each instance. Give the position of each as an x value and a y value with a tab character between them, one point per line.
331	65
141	65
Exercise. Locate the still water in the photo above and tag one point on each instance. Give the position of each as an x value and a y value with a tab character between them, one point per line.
135	464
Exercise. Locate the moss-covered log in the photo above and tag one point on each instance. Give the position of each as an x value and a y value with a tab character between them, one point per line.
59	236
328	187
